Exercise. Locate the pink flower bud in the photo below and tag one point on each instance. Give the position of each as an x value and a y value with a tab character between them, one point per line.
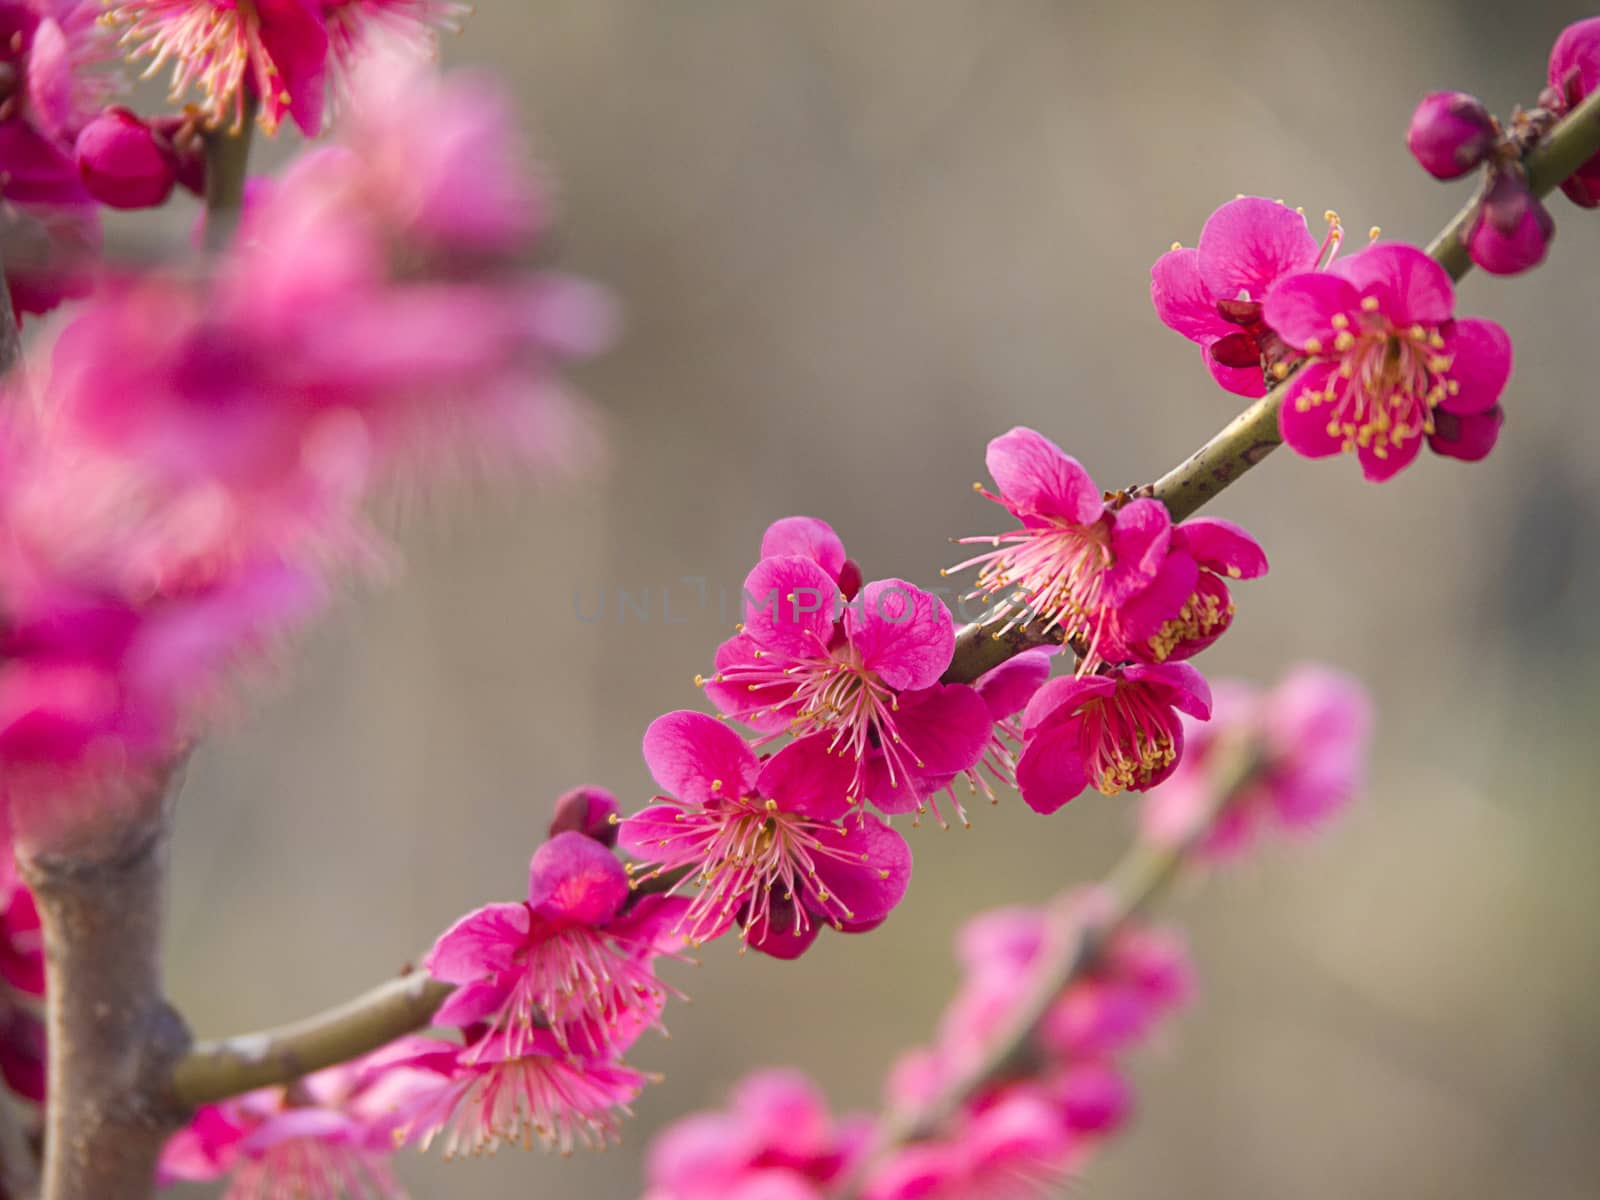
1513	230
589	811
1451	133
123	163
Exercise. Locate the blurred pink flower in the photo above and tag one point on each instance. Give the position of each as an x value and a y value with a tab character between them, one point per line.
1575	72
1310	736
776	1139
326	1137
1386	352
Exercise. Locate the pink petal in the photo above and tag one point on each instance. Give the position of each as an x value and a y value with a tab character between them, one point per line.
655	834
479	944
782	941
1480	364
902	794
1411	287
1223	547
474	1002
293	35
806	777
805	537
574	878
900	631
1140	537
1181	299
1037	477
1470	437
1241	381
697	758
1143	615
1007	688
870	872
1249	243
945	727
1207	587
1061	696
1578	48
790	605
50	79
1305	430
1393	460
759	707
650	924
1178	684
1051	770
1301	308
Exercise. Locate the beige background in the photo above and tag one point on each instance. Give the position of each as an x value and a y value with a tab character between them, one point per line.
854	240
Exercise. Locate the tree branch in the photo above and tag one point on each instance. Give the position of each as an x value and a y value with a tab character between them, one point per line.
1070	949
1253	434
113	1040
227	158
214	1071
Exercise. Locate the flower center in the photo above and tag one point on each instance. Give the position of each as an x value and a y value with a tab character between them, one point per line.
1129	740
1387	383
1054	572
1203	614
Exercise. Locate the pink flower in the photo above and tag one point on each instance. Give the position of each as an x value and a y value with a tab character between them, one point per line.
1209	551
1005	691
478	1099
1574	73
275	50
124	163
1451	133
1386	354
1512	230
325	1138
775	1134
866	680
1114	732
355	26
765	840
569	959
1309	737
591	811
1212	294
1075	564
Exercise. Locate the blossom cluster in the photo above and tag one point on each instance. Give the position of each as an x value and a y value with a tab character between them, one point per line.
1009	1113
182	485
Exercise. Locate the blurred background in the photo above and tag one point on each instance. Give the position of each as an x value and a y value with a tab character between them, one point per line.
853	242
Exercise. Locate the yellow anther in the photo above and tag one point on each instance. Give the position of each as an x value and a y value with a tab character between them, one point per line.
1340	321
1369	304
1313	345
1374	234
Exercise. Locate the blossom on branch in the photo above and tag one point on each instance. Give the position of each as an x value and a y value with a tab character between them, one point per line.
1386	356
776	845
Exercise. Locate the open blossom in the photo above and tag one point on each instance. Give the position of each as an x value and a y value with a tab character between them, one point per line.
776	1140
1076	564
569	959
768	842
1113	732
865	680
1212	293
1386	356
478	1098
1574	73
1219	551
326	1138
1308	739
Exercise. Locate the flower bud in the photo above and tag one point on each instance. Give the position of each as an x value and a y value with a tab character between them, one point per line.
1450	134
589	811
1513	229
123	163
